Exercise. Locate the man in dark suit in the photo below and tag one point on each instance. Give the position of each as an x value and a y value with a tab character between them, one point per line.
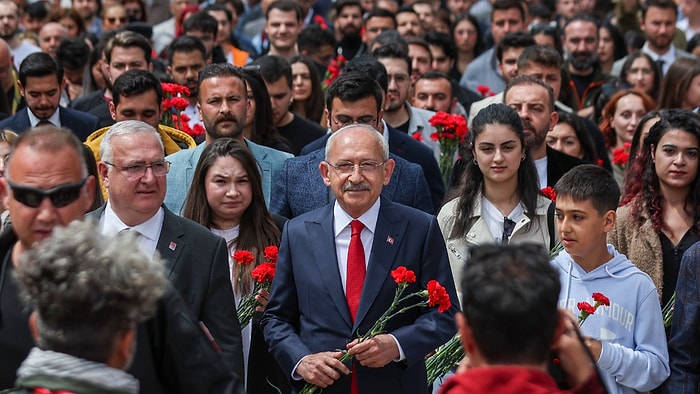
133	170
299	188
330	286
41	84
534	101
361	92
173	355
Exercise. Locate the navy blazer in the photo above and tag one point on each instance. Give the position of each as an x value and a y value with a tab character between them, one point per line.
299	187
307	312
80	123
403	145
197	266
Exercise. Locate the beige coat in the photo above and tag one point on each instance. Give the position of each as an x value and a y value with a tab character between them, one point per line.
457	248
641	245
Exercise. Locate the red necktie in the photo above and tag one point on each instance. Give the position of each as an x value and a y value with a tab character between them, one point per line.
356	269
354	280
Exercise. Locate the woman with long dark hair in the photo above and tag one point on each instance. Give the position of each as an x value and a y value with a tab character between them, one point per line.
499	200
661	221
226	196
306	89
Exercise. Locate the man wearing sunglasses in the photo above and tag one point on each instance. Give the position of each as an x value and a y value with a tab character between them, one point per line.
133	170
46	185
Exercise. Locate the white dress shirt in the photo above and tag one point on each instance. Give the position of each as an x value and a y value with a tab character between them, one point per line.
149	231
55	118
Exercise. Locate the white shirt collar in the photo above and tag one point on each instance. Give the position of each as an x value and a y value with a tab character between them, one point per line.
55	118
149	229
668	57
342	219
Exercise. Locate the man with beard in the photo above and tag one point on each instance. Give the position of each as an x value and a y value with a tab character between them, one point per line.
41	83
187	57
222	106
581	51
434	91
534	101
397	112
9	27
658	23
348	23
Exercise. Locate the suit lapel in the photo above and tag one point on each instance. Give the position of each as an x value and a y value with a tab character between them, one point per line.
388	235
170	243
321	230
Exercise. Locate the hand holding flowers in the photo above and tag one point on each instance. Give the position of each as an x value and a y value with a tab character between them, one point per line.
375	348
262	275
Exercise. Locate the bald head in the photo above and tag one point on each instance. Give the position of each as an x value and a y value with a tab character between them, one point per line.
50	37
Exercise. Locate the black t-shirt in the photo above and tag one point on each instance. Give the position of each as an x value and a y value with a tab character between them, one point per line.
581	82
300	132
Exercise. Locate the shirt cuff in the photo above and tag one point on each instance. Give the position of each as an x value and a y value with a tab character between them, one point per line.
402	356
295	375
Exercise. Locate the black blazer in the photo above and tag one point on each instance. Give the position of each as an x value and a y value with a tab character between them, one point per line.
197	266
80	123
404	146
172	354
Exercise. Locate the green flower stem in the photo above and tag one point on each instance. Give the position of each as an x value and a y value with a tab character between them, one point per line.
447	357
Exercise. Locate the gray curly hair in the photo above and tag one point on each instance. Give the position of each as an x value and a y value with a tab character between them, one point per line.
87	288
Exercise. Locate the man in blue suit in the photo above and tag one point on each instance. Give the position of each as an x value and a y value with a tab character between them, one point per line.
299	187
400	143
333	279
222	106
40	83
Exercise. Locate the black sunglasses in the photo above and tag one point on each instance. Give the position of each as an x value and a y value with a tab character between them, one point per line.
60	196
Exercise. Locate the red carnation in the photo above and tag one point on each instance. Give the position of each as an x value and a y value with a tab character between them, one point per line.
243	257
620	156
549	193
265	272
483	90
601	299
271	253
403	275
435	136
437	295
179	103
586	308
418	136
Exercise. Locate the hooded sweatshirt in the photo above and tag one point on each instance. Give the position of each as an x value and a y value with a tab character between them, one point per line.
634	356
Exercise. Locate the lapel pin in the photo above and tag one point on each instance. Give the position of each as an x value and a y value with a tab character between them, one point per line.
172	246
390	239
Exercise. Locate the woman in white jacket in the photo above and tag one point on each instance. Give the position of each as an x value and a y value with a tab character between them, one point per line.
499	199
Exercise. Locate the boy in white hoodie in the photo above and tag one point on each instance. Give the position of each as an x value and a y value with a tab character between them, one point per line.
626	338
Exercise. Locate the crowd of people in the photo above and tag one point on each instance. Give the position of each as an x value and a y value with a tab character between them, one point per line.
145	146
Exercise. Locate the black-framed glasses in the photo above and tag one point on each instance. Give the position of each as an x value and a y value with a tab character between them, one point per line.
508	227
136	171
348	168
343	120
60	196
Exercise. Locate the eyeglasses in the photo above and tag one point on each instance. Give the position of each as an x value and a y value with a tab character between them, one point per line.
60	196
343	121
347	168
508	227
136	171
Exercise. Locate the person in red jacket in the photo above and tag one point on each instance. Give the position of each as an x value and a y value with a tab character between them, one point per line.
510	323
